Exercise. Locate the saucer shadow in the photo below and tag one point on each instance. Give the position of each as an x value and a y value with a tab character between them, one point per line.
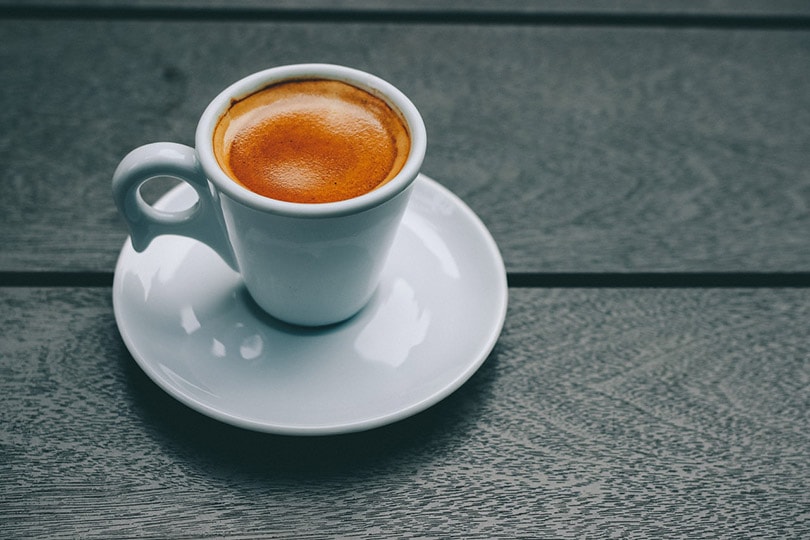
222	449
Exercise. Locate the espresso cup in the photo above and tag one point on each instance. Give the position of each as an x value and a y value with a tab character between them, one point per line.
305	263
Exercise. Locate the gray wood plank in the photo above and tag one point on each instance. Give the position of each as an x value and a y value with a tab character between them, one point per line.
679	7
582	149
601	413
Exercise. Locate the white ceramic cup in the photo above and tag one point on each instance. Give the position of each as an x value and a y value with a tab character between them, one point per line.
307	264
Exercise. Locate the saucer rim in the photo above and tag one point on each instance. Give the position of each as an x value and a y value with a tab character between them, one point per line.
470	367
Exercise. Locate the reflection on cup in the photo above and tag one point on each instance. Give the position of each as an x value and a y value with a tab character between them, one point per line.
309	263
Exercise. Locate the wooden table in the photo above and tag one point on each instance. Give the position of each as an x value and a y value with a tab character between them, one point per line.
645	170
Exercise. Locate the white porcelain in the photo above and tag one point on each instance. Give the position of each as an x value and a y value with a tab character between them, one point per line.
190	324
309	264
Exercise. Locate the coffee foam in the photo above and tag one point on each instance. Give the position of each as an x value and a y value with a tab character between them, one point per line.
311	141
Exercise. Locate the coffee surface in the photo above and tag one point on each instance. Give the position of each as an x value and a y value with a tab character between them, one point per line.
311	141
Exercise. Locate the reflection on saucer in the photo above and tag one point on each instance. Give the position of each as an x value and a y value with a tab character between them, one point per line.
433	242
397	326
189	322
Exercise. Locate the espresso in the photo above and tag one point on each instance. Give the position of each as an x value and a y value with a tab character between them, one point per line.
311	141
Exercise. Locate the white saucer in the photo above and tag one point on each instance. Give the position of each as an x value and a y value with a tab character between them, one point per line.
191	326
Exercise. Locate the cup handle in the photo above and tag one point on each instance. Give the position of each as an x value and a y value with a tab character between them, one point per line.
203	221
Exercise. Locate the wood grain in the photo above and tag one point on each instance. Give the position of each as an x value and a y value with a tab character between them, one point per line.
582	149
713	7
601	413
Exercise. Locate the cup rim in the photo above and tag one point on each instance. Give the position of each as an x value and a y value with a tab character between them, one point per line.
261	79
